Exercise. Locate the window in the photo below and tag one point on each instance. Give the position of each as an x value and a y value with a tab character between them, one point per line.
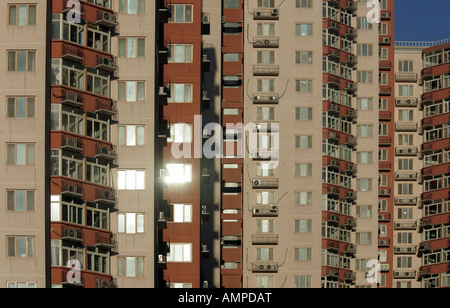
405	189
265	113
266	3
22	14
302	226
266	57
20	107
21	60
303	113
264	169
265	197
405	139
303	142
265	29
181	213
364	157
68	74
404	262
303	57
66	164
303	29
180	252
21	246
179	53
63	210
178	173
131	91
364	76
404	213
180	93
180	285
97	126
405	66
130	223
97	172
131	266
264	254
180	132
303	197
404	90
97	217
131	47
303	169
264	226
231	4
21	285
364	130
302	281
231	57
131	135
404	238
364	211
180	13
97	260
383	129
132	6
364	238
264	281
363	184
405	164
303	85
302	254
20	200
131	179
303	4
363	24
265	85
99	39
98	82
20	154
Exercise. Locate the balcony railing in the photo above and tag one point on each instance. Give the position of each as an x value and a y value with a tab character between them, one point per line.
105	195
108	152
105	241
72	234
266	70
406	102
106	63
72	53
71	188
71	143
73	99
406	126
107	107
406	77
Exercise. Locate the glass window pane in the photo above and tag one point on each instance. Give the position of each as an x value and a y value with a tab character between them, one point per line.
30	200
21	61
32	15
131	91
131	266
140	223
20	200
121	223
131	48
21	246
30	154
140	135
131	135
23	15
132	6
140	91
30	107
11	61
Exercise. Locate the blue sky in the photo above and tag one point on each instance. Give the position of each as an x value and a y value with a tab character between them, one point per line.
422	20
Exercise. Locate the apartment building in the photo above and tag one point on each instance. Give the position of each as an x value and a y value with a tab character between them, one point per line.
221	144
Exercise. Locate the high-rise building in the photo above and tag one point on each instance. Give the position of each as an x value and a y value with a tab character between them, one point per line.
221	144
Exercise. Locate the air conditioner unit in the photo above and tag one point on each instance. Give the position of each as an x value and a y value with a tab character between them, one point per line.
258	13
385	15
386	40
382	242
383	191
256	97
274	12
108	194
408	101
256	211
108	16
71	96
205	284
398	225
72	233
273	208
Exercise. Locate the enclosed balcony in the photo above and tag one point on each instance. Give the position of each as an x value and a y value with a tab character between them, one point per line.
406	77
265	70
264	239
406	126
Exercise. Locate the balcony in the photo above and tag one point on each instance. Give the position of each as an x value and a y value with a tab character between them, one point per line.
334	27
266	14
406	77
71	144
409	151
72	99
108	152
72	189
106	107
406	102
333	219
350	249
405	126
107	19
351	6
351	195
351	33
266	98
406	176
384	115
72	234
385	15
266	42
266	70
384	140
106	63
352	60
69	281
106	283
385	65
105	241
333	191
351	141
72	53
385	267
384	166
350	277
264	239
105	196
350	222
385	91
333	273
